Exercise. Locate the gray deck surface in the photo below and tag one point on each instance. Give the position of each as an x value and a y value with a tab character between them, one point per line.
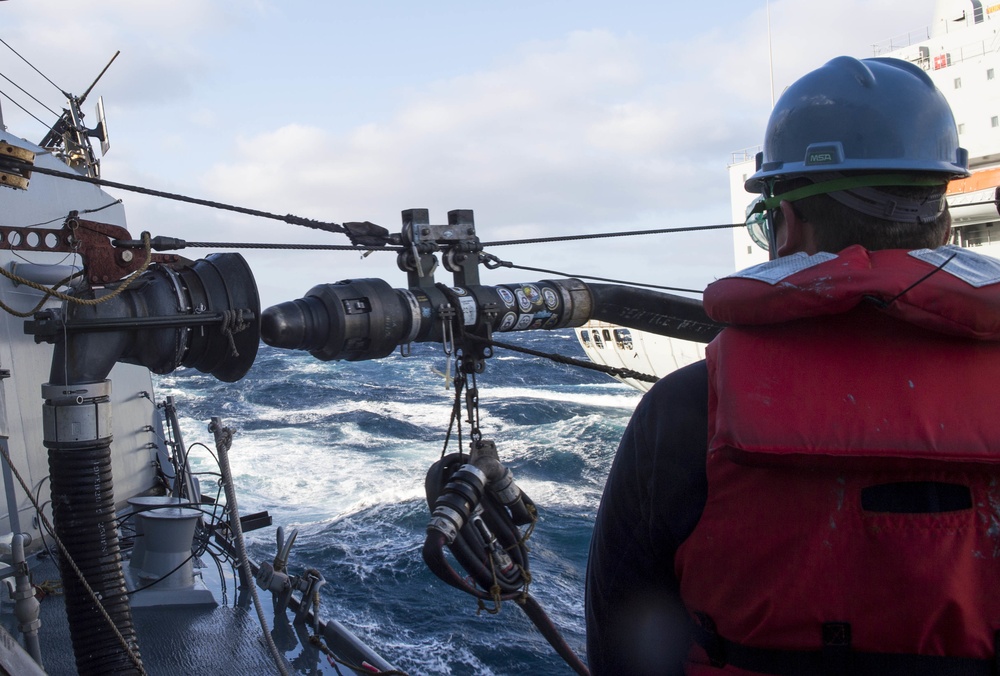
178	641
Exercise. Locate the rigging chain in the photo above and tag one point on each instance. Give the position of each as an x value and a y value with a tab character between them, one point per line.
571	361
492	263
287	218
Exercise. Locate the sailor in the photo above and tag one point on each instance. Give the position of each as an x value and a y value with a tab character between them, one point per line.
822	493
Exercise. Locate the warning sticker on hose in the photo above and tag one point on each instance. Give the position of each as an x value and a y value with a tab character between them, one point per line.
469	311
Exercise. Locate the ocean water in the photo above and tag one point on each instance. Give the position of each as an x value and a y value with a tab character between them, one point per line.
339	450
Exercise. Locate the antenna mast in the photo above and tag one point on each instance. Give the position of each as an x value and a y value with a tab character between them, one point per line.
770	54
69	138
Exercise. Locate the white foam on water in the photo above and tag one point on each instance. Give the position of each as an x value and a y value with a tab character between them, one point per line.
598	396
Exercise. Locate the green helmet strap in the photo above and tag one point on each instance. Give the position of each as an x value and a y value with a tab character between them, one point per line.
860	194
849	182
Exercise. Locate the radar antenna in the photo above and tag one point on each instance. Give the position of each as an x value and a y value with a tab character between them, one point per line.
70	139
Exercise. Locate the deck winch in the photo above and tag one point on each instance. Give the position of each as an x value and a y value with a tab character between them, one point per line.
162	567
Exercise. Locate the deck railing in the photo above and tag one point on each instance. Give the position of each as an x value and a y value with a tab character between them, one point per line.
745	155
901	41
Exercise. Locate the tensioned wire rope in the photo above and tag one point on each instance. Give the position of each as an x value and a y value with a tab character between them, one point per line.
490	261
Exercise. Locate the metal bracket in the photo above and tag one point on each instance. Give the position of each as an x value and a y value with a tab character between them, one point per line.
309	584
457	240
104	261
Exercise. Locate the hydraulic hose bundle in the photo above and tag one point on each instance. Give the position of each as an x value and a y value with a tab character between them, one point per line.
477	513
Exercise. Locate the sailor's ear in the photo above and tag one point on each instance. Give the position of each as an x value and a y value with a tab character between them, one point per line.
795	234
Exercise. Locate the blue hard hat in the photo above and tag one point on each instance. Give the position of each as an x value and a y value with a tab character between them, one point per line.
870	115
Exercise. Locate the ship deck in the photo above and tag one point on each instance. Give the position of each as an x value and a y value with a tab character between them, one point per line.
177	640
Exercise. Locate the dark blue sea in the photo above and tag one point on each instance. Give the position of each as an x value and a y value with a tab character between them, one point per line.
339	450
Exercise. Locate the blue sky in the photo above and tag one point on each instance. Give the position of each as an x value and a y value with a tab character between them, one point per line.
545	117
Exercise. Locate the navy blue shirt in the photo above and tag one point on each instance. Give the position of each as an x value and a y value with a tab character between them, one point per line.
654	496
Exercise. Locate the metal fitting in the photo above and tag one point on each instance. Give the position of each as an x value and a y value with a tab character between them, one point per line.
77	413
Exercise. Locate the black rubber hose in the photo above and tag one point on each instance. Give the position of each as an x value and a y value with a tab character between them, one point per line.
433	554
83	506
509	537
538	617
645	310
469	548
498	520
434	484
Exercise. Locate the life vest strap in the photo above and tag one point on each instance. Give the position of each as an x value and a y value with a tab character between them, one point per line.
836	658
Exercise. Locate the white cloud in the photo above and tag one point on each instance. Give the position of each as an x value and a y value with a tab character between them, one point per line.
590	129
568	134
72	41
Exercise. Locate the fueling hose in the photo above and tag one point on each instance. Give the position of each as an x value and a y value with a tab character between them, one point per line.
77	434
477	509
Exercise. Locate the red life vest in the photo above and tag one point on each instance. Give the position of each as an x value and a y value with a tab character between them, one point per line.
834	404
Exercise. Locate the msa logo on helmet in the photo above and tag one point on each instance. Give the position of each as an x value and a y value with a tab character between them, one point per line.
826	153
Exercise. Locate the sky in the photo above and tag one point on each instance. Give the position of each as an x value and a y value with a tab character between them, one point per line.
545	117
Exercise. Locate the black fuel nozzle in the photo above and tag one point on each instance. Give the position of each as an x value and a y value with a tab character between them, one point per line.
353	320
359	319
457	502
500	481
